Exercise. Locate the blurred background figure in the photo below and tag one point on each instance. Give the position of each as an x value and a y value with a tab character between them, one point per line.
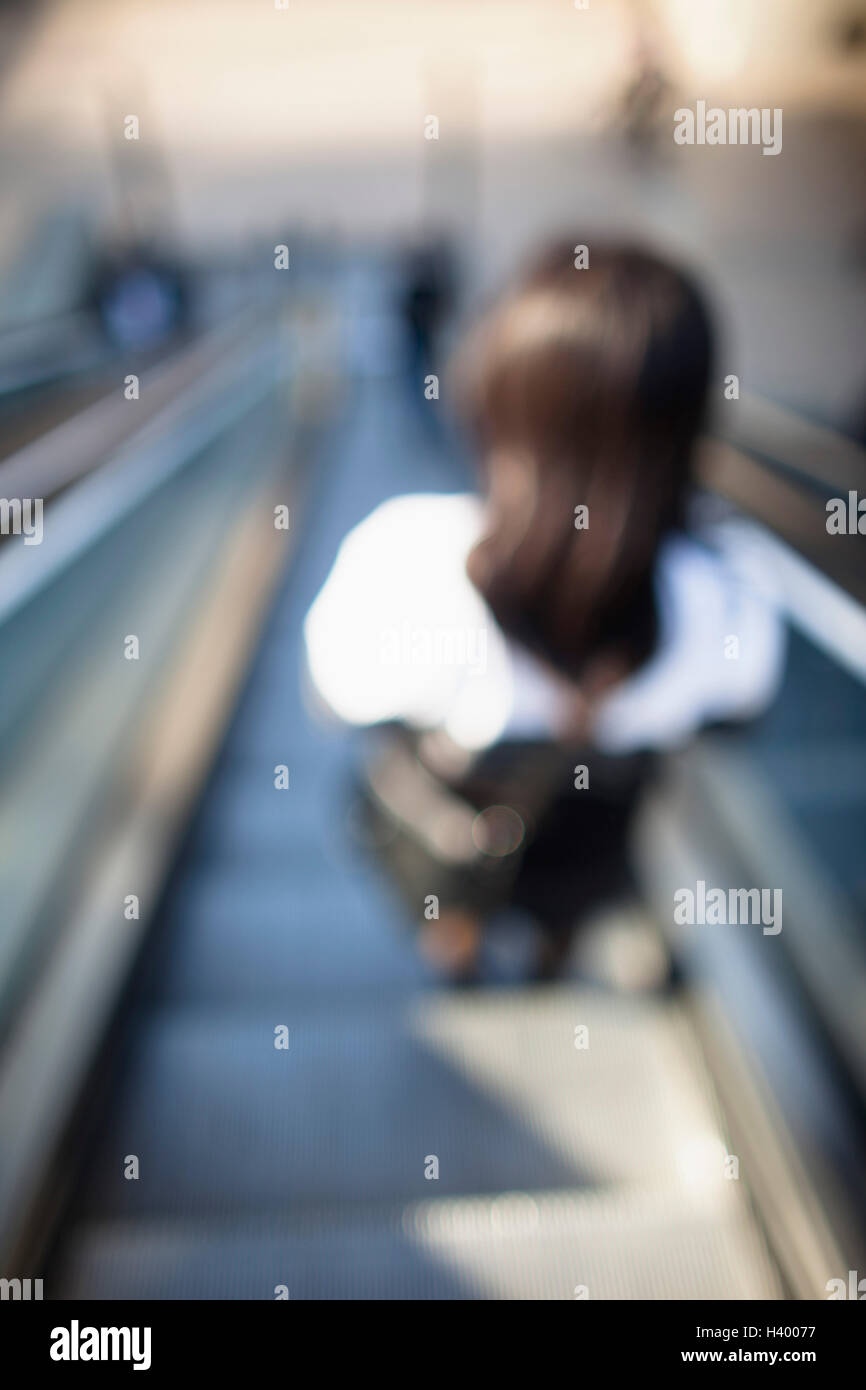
644	101
428	300
141	298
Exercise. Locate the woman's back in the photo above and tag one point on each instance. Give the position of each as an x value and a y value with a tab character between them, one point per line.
400	632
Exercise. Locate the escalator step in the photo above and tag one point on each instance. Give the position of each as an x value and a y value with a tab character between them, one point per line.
490	1084
279	935
634	1245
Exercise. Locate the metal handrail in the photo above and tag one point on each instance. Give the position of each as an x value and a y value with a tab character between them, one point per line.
47	349
70	450
195	416
775	437
821	577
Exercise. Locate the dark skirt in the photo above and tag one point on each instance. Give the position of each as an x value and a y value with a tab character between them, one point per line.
510	830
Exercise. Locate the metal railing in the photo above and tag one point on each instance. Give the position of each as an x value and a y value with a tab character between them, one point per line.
122	636
780	472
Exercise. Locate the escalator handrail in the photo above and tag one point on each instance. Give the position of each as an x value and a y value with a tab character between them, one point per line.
775	437
69	450
195	417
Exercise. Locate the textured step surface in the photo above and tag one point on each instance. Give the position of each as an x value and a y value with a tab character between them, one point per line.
494	1088
281	935
515	1246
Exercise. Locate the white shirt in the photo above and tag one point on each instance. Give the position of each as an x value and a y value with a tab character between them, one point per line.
398	631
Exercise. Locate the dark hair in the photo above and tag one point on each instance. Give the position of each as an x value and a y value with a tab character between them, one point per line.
584	387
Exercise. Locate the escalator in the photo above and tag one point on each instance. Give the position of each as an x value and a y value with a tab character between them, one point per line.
255	1088
309	1167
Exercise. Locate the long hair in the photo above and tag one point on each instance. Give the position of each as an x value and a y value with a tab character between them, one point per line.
585	388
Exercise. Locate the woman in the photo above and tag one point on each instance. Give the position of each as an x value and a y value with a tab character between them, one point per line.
575	602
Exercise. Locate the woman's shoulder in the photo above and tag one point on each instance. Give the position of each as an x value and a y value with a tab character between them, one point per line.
721	641
397	630
713	563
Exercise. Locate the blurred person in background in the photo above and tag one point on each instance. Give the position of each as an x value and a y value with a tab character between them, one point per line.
140	296
427	301
576	604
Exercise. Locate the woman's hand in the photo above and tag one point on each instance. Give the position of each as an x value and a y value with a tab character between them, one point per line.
579	700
